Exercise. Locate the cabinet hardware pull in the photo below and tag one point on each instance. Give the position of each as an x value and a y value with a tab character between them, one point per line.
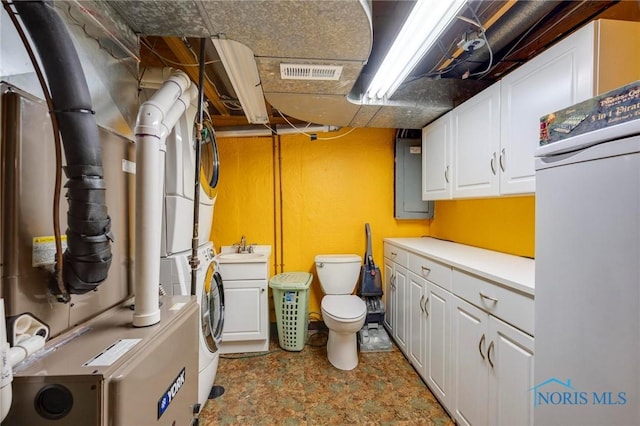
480	346
425	270
262	290
420	303
489	354
484	296
502	156
392	281
425	306
446	174
493	164
394	254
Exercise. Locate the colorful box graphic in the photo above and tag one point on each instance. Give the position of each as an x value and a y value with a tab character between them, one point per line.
617	106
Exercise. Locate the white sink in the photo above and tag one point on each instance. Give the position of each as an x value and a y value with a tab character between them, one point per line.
241	257
244	266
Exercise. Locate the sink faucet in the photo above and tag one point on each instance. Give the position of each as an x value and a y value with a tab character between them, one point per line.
241	247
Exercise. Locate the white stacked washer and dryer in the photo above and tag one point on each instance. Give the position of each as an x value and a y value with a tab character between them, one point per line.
175	270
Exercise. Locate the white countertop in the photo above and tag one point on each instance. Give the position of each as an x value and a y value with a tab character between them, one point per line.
511	271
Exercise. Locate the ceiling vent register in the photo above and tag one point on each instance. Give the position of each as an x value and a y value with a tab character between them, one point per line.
310	72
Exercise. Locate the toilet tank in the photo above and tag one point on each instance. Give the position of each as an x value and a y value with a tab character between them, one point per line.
338	273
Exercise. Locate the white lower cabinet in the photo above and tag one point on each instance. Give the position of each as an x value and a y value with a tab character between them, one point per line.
438	342
246	303
470	372
401	328
417	322
246	316
396	294
429	316
511	381
492	370
464	336
389	296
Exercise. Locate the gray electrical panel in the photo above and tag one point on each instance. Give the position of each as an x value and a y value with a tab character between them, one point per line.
408	177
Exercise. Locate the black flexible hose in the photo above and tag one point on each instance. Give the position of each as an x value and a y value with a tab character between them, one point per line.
88	255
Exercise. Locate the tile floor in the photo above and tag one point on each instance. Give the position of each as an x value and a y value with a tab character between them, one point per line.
303	388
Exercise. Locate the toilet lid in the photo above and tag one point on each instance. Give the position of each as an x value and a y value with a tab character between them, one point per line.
344	306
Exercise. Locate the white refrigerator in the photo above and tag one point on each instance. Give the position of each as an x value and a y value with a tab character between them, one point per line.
587	301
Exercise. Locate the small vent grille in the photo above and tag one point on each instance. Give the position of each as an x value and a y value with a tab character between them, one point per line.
310	72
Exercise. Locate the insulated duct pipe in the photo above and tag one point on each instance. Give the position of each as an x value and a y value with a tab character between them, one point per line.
88	255
156	118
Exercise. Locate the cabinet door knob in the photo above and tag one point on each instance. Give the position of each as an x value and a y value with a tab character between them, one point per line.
425	270
480	346
489	353
502	158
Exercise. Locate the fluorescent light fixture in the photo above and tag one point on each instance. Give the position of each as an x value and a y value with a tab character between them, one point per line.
242	70
426	23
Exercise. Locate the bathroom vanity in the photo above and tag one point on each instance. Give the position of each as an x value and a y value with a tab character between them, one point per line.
246	316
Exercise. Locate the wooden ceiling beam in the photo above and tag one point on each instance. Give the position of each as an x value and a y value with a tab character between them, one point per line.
184	56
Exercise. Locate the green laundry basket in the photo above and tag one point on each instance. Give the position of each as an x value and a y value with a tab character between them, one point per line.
291	302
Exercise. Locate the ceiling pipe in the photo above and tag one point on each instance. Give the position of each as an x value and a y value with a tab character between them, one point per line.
522	16
258	131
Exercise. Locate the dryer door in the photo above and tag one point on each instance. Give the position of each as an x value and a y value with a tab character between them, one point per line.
212	308
210	160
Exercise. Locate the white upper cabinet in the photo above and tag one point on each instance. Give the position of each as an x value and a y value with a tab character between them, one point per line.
476	145
555	79
436	159
493	136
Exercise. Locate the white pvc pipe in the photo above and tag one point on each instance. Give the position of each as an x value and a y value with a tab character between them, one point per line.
24	349
6	375
154	122
26	326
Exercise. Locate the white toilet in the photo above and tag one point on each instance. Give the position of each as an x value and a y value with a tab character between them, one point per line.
343	313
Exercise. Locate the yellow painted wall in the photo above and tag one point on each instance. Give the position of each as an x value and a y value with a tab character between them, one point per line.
330	189
505	224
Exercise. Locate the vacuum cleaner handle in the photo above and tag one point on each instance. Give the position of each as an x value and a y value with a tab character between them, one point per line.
368	255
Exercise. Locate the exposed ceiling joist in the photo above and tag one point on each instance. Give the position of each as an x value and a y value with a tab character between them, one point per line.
182	53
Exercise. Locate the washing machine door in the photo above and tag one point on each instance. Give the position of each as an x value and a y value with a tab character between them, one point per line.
212	308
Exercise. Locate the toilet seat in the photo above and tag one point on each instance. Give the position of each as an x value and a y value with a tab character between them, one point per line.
344	308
